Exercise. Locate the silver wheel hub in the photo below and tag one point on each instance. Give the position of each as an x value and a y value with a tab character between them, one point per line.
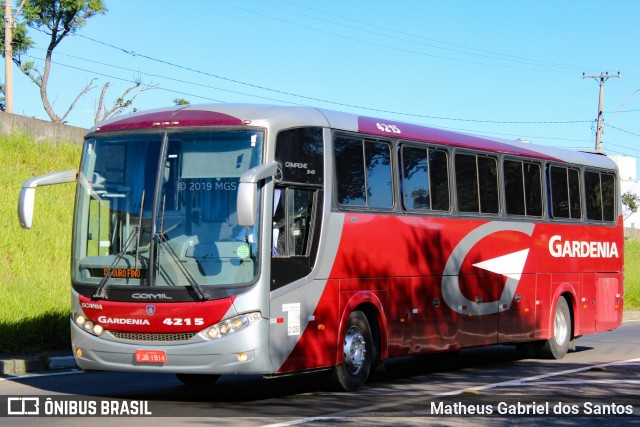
354	350
560	328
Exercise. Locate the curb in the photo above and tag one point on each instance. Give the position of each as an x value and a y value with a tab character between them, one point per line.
12	366
20	365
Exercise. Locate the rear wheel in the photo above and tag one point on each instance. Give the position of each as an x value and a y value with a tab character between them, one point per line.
358	352
557	346
198	380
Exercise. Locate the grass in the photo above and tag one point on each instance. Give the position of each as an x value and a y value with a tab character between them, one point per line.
632	275
34	290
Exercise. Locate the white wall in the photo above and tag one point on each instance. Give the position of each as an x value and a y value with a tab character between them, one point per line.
628	182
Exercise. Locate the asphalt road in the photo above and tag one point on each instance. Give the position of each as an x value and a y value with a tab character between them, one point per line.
598	384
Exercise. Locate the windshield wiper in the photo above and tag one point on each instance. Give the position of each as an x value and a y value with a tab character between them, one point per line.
201	293
100	292
138	230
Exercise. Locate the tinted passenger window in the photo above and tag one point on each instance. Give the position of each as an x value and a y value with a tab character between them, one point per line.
363	173
349	172
600	194
425	179
565	193
522	188
477	183
299	152
378	174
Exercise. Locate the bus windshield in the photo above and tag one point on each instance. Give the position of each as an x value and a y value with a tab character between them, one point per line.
160	210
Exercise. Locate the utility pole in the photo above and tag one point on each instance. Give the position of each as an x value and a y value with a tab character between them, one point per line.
603	77
8	58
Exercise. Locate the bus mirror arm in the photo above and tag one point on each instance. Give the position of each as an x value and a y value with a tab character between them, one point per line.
26	201
248	192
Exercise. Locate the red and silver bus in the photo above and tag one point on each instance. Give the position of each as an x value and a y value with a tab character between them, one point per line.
252	239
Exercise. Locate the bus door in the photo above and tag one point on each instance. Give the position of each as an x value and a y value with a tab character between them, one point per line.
294	217
297	204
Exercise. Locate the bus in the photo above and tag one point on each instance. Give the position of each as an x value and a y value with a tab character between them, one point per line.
255	239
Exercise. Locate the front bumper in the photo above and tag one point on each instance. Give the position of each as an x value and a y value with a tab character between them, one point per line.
194	356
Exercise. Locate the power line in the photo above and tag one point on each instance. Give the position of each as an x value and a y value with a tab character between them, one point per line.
371	43
132	53
484	53
126	80
472	131
622	130
310	98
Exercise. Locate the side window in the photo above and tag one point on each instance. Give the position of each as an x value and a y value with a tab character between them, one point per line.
299	152
522	188
599	190
477	183
363	173
425	179
565	192
291	221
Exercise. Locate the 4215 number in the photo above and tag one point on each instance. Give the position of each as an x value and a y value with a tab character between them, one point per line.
183	321
388	128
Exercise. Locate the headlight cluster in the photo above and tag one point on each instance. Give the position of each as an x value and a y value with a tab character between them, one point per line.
229	326
88	325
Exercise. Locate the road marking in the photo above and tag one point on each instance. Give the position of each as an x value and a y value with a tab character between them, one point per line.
583	382
515	382
38	375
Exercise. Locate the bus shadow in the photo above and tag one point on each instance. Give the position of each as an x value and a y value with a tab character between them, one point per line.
406	373
308	395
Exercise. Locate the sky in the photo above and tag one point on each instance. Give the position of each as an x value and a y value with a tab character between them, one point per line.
508	69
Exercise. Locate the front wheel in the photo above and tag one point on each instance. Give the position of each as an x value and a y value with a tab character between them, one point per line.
358	352
557	346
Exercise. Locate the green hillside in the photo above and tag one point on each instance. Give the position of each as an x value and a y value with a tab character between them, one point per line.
34	292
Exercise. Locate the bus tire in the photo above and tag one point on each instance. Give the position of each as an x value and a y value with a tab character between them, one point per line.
198	380
557	346
358	352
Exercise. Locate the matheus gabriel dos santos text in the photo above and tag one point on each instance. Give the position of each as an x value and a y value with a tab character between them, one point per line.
531	408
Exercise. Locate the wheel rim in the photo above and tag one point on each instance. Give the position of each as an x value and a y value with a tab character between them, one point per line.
560	328
354	350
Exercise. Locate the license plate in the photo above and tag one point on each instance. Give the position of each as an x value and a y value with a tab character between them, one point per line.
151	356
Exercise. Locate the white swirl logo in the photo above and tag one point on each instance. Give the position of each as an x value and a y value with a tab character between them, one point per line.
510	266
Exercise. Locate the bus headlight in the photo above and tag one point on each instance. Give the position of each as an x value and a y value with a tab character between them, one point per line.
88	325
231	325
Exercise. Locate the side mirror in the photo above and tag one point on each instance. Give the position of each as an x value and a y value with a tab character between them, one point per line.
248	192
26	201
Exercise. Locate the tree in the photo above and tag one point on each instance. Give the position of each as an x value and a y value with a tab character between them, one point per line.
180	101
20	43
630	201
120	104
58	19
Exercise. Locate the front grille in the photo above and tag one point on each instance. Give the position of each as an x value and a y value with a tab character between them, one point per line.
133	336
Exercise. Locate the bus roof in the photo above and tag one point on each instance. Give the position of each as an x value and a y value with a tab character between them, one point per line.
297	116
